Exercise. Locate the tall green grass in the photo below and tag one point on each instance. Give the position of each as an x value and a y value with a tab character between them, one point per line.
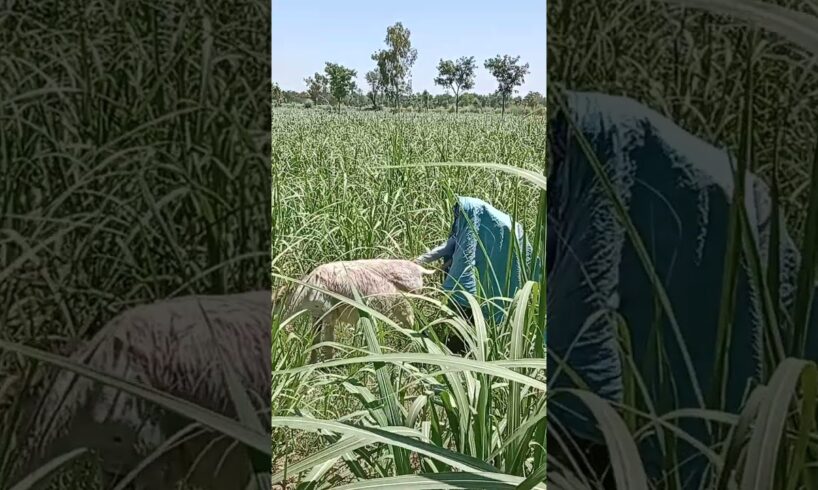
395	407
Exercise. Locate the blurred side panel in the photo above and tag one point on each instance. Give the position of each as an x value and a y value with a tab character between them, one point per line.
682	224
134	243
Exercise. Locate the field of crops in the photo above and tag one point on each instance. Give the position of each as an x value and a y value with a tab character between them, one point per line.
352	185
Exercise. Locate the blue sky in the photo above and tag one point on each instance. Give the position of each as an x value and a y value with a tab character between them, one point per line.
306	34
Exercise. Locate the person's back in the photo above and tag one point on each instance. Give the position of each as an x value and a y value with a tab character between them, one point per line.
487	255
484	256
676	190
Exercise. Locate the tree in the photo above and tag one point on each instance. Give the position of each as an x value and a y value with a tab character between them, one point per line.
358	98
373	78
341	81
277	94
425	97
443	100
411	100
534	99
508	73
456	75
493	100
316	86
383	69
468	98
395	63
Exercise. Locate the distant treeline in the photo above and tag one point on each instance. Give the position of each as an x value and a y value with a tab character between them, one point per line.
423	101
390	82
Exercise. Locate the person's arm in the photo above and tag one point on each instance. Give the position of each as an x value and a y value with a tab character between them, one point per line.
444	250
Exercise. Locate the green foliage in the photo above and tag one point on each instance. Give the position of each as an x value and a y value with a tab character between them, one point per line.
316	87
534	99
394	64
373	79
278	96
456	76
341	81
509	74
355	188
470	99
425	98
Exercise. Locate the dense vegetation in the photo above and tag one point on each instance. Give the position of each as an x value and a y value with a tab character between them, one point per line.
738	75
390	82
351	186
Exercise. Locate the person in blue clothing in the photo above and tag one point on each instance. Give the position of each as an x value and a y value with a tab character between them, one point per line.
676	190
482	256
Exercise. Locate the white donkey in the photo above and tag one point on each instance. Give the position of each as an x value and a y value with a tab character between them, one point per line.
382	283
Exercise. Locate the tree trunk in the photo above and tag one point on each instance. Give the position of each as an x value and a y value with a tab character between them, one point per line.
503	105
456	102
